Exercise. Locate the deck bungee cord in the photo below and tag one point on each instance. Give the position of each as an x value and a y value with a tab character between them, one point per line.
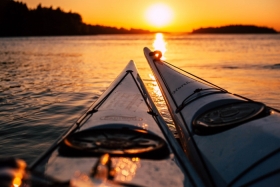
157	55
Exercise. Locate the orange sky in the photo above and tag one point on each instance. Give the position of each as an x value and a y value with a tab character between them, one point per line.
187	14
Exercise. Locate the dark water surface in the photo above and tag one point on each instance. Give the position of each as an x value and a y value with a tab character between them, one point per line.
46	83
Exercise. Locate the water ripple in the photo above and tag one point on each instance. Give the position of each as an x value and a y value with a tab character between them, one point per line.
46	83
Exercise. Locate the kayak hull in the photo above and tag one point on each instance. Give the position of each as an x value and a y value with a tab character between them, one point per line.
230	140
124	124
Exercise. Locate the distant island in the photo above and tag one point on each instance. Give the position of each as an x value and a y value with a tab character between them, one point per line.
235	29
17	20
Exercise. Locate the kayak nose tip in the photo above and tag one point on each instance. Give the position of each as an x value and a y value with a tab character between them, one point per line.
156	55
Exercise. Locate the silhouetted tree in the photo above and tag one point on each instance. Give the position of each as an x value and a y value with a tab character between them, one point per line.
17	20
13	17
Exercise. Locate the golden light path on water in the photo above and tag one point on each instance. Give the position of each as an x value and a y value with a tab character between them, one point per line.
156	89
160	44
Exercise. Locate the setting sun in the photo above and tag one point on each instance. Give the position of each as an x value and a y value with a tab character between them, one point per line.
169	15
159	15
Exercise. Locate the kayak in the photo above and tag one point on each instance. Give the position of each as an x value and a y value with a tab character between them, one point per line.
229	139
120	141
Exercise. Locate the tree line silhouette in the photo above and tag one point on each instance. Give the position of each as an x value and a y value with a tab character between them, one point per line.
235	29
17	20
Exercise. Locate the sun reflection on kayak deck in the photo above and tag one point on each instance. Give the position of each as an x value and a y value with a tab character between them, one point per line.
125	168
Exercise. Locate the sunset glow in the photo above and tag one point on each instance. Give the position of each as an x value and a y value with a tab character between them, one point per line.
159	15
172	15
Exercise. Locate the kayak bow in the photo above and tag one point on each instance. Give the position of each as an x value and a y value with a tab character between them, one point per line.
230	140
120	141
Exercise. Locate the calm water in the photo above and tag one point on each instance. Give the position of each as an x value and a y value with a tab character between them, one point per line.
46	83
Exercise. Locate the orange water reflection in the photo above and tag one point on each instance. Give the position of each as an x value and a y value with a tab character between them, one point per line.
160	44
154	86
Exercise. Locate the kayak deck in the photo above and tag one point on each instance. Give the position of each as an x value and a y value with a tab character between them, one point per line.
230	140
124	124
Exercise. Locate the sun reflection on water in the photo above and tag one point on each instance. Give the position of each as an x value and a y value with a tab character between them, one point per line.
155	88
160	44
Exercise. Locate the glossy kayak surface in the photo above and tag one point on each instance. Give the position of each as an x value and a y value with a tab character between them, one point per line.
120	141
230	140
